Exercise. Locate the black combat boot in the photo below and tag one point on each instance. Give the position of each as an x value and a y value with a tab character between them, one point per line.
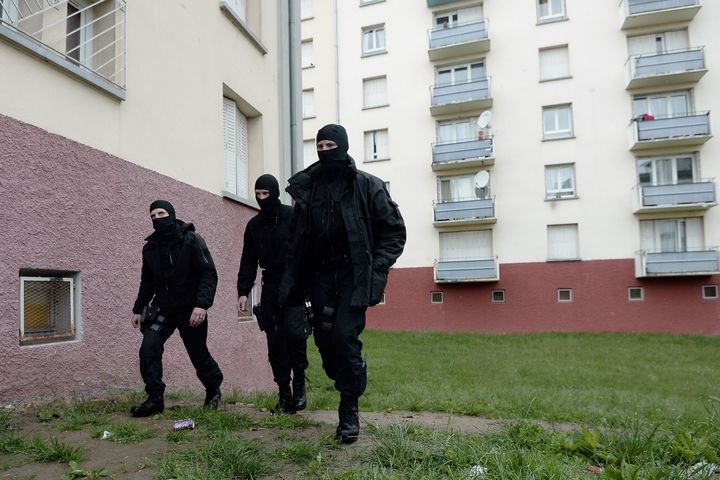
212	399
349	428
299	395
151	406
285	402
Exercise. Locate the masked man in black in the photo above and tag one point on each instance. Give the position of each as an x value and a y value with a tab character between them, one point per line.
265	244
179	277
346	234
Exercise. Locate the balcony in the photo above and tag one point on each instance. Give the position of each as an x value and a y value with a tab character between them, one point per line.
88	43
691	129
458	40
462	154
645	13
698	195
479	270
667	264
461	97
478	211
673	67
439	3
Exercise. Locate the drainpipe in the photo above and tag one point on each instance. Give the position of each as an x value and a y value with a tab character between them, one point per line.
337	66
295	87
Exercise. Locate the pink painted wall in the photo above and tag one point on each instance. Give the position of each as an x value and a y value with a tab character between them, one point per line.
65	206
673	305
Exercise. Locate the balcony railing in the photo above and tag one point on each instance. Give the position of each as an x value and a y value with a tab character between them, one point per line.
460	97
478	209
677	66
661	132
679	196
471	270
458	40
643	13
464	153
693	262
88	42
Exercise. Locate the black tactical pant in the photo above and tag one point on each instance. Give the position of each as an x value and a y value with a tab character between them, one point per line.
195	340
336	329
286	334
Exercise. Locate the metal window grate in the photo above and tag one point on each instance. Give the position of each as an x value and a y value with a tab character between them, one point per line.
636	294
564	295
498	296
437	297
710	292
46	308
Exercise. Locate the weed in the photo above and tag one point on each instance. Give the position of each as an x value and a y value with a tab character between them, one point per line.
94	474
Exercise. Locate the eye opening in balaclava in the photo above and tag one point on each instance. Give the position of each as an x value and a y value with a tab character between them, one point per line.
165	226
336	159
271	203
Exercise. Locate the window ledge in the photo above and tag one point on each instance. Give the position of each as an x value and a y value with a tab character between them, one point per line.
239	199
376	106
243	27
376	160
370	2
309	118
307	18
373	53
554	79
558	199
42	52
308	67
570	137
552	20
555	260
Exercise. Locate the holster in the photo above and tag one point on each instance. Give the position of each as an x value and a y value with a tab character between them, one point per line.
152	319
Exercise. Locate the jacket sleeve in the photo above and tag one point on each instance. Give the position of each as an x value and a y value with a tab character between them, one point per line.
248	264
388	230
205	269
146	290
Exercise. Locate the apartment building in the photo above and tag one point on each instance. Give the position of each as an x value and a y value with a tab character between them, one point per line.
553	159
105	106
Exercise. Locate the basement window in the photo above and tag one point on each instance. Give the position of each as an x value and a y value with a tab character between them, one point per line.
437	297
498	296
710	292
564	295
48	307
636	294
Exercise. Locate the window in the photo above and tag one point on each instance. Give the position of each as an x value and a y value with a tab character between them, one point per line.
306	9
710	292
376	145
667	170
308	103
663	105
563	242
460	130
554	63
635	294
658	42
564	295
461	187
437	297
672	235
549	10
78	42
557	122
239	7
9	11
498	296
453	18
375	92
469	245
463	73
235	136
48	308
559	181
309	153
307	54
373	40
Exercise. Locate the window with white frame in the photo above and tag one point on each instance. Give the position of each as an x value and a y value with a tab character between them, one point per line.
564	295
498	296
461	73
375	92
376	145
672	235
235	141
468	245
560	181
239	7
309	153
554	63
459	130
663	105
48	308
437	297
460	187
79	37
453	18
563	242
660	42
306	9
307	54
635	294
549	10
308	103
710	292
668	170
373	39
557	122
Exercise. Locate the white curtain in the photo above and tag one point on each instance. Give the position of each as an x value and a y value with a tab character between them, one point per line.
375	92
307	53
562	242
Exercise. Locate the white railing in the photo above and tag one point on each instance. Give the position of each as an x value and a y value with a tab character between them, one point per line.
92	37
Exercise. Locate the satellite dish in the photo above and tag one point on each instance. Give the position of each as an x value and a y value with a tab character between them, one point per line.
484	119
482	178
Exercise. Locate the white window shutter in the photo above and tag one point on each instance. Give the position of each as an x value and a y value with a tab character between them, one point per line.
230	145
470	14
309	152
369	146
554	63
375	92
243	160
641	44
694	233
472	245
562	242
307	53
676	40
382	144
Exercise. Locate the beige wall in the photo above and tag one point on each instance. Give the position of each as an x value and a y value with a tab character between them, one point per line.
180	58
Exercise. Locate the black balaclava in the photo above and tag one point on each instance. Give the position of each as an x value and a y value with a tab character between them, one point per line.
270	204
165	226
336	160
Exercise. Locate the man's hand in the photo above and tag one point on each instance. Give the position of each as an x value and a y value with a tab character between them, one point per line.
135	320
242	305
197	316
